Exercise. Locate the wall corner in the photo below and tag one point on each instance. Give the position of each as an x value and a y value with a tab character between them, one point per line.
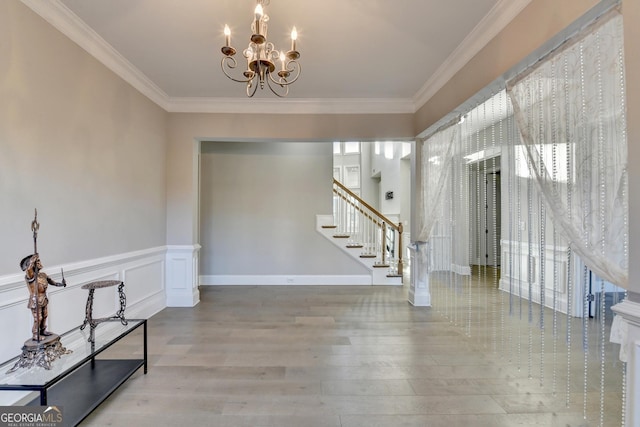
182	276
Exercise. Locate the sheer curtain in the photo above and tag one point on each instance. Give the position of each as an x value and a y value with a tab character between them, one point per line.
570	112
521	201
437	162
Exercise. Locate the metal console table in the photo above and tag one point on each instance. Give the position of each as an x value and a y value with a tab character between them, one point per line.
89	320
80	381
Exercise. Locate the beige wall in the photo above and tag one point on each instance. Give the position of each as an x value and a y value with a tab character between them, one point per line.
77	143
184	129
537	23
259	202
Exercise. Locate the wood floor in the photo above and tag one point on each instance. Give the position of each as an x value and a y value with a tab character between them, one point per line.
320	356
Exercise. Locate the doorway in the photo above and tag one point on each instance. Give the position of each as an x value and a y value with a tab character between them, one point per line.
485	212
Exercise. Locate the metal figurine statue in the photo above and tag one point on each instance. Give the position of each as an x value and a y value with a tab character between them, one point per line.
44	346
37	282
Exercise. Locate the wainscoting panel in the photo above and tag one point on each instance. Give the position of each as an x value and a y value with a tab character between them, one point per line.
515	274
182	276
142	271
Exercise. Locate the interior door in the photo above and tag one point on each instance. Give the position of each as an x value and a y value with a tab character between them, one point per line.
492	218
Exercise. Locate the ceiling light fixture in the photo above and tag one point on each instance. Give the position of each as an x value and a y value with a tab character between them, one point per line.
261	55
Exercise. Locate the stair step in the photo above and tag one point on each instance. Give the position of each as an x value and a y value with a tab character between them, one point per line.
381	266
355	246
368	256
329	226
341	236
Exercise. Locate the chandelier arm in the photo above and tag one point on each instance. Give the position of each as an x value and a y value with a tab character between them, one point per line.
284	87
251	84
292	66
231	63
295	67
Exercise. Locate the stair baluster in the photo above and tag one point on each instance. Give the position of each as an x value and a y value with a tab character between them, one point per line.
366	228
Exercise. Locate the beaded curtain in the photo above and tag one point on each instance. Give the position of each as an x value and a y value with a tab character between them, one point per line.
524	212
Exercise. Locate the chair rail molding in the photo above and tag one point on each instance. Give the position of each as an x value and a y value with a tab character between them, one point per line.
142	271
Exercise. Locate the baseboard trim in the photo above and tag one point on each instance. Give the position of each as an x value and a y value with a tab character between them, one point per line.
536	296
286	280
463	270
419	297
150	305
188	298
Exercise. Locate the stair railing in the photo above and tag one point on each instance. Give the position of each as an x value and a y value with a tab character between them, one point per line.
364	227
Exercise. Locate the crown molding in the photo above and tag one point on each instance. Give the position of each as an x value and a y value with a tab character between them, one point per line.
291	106
63	19
503	12
68	23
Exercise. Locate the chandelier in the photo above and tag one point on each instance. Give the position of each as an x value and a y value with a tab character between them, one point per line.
261	56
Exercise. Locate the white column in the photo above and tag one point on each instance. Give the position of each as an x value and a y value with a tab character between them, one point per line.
419	294
630	310
182	276
626	331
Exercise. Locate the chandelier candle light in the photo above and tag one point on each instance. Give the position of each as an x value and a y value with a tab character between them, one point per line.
261	55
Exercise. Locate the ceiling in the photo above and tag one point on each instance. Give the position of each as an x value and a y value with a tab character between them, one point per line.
356	55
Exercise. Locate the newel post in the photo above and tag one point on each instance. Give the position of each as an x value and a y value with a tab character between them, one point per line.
400	263
384	241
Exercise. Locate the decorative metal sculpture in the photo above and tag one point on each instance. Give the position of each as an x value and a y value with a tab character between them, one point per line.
89	320
43	347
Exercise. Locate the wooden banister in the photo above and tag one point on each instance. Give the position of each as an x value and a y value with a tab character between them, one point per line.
356	203
362	211
365	204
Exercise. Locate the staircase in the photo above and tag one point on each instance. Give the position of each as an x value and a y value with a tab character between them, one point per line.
365	234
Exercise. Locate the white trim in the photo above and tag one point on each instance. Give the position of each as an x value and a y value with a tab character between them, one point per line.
463	270
630	313
144	297
283	280
633	392
189	298
536	296
291	106
503	12
418	297
419	291
181	275
148	306
12	281
629	310
69	24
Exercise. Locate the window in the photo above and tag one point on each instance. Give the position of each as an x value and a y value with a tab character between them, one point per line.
337	148
352	147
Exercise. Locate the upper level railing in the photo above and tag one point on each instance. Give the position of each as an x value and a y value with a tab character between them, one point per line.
366	228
